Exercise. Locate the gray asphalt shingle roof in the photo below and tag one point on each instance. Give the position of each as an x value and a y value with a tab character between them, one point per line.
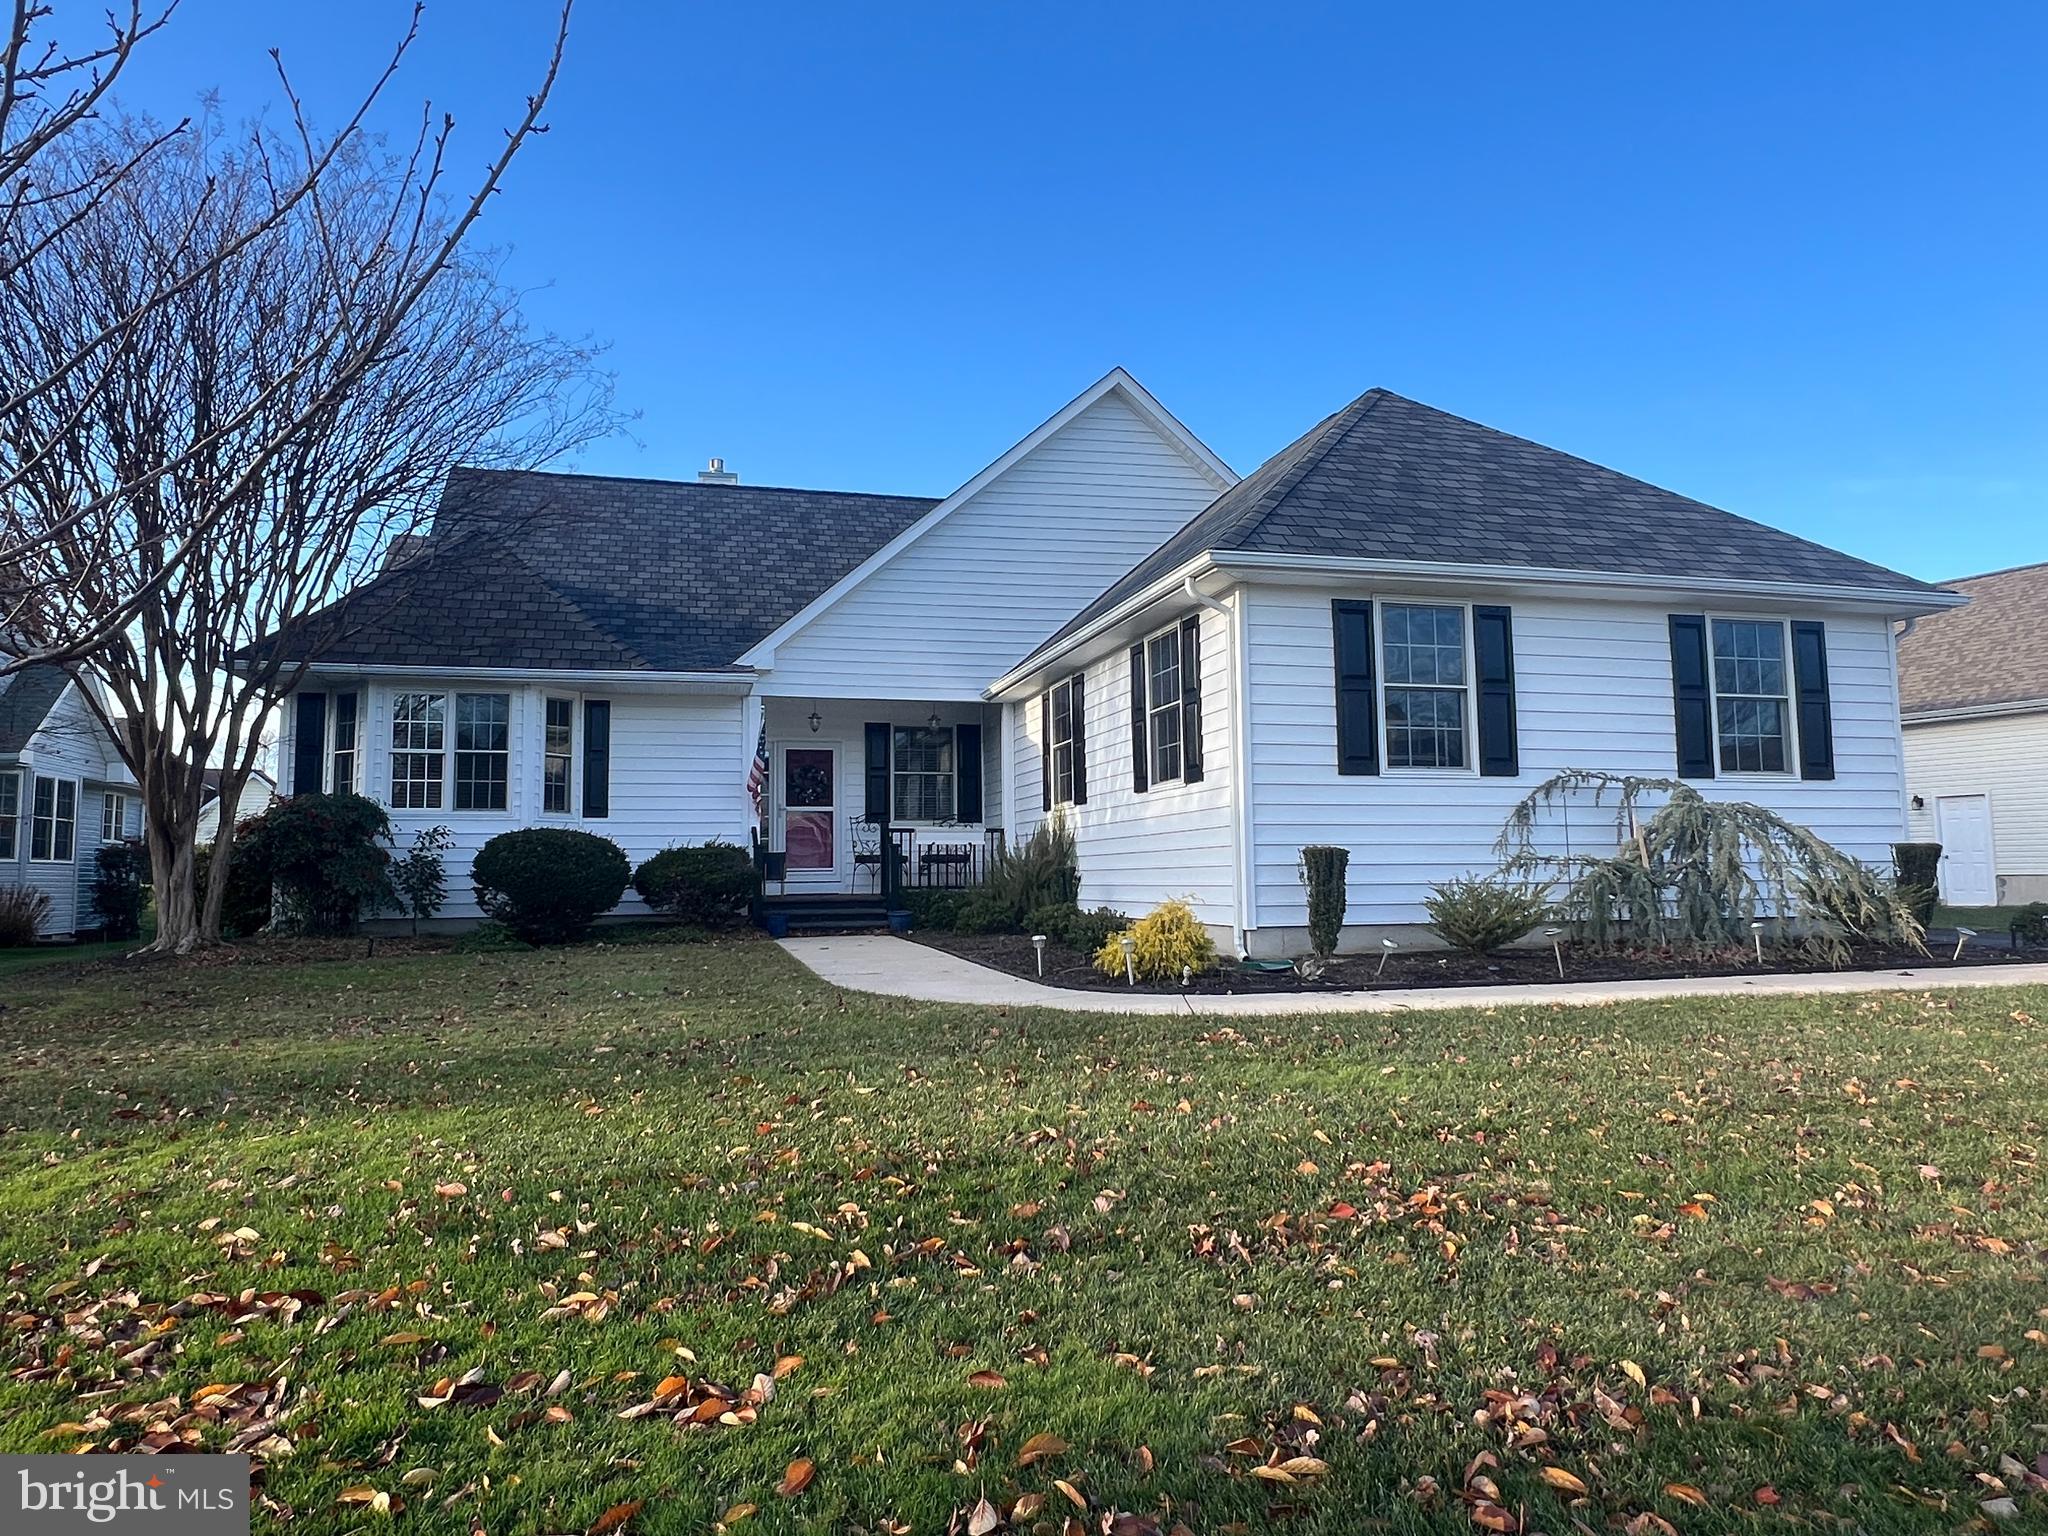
26	698
1388	478
591	572
1994	650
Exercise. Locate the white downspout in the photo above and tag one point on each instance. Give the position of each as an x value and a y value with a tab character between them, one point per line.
1240	787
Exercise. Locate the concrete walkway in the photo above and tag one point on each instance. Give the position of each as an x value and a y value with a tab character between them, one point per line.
899	968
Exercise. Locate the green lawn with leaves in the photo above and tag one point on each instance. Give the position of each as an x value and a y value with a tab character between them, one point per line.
652	1238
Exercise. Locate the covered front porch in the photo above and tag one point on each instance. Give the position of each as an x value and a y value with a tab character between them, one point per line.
866	798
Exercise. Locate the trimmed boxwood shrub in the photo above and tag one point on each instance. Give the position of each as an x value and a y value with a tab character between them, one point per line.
708	885
117	872
548	884
1069	925
1916	866
937	911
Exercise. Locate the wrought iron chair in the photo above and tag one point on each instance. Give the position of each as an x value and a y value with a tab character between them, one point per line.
867	846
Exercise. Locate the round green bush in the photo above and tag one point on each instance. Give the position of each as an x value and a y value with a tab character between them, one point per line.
548	884
708	886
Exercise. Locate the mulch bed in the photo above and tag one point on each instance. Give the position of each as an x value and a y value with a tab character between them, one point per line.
1066	967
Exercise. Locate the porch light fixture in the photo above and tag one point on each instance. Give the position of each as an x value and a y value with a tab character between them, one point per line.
1129	946
1963	936
1919	802
1387	947
934	721
1038	943
816	720
1756	932
1555	935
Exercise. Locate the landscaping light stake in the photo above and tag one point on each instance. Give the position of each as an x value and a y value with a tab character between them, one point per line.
1756	932
1963	936
1556	948
1387	947
1038	944
1130	946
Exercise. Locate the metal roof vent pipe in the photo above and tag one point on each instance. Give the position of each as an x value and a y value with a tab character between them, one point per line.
716	473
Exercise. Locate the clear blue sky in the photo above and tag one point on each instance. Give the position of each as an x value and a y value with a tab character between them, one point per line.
1786	258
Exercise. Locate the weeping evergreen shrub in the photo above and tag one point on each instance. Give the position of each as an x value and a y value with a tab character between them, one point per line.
1694	873
1322	872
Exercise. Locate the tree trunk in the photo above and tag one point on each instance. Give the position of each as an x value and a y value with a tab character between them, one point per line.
172	871
219	857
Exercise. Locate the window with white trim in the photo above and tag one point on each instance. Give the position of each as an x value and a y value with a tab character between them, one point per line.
53	828
558	756
1063	742
419	724
113	816
1752	696
1163	705
926	778
10	814
1425	683
342	754
483	750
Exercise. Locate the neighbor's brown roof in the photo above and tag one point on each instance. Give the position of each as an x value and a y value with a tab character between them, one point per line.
1993	650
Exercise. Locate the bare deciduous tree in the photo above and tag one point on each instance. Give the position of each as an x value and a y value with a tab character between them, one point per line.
258	440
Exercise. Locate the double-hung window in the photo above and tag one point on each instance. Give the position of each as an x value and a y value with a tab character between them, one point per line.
1062	737
1163	705
10	814
113	816
483	750
1752	698
558	756
342	757
926	780
53	829
419	743
1426	684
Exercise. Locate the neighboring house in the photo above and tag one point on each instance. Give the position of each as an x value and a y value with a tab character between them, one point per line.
1973	686
259	793
63	792
1383	638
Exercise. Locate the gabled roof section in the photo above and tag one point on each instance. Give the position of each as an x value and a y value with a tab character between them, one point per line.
26	699
590	572
1390	479
1117	381
1992	652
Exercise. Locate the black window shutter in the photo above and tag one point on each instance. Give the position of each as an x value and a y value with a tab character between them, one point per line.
1816	709
876	799
1493	645
1358	727
309	743
1191	699
1141	761
1045	750
1079	685
967	772
597	757
1691	700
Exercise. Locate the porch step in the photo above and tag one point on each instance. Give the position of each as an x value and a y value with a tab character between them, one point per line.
830	914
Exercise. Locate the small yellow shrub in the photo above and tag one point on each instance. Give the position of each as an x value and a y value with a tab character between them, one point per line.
1168	940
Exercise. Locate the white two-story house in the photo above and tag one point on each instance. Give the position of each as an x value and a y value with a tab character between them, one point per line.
1382	638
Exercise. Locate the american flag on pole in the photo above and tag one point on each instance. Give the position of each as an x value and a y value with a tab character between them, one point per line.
757	775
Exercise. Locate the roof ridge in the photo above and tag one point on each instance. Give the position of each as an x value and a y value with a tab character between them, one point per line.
2003	570
795	490
1325	442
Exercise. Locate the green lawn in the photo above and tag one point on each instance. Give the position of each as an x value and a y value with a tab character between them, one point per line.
1740	1265
1986	920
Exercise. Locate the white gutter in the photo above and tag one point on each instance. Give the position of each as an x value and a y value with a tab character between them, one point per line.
1240	749
1893	599
683	682
1136	603
1975	712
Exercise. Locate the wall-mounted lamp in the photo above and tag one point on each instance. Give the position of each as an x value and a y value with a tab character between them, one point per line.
816	720
933	722
1919	802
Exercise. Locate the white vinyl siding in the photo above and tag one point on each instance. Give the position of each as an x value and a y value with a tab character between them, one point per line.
2005	759
678	775
971	597
1593	690
1173	840
70	746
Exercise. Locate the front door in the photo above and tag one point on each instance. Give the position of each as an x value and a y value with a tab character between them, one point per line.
808	781
1963	823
